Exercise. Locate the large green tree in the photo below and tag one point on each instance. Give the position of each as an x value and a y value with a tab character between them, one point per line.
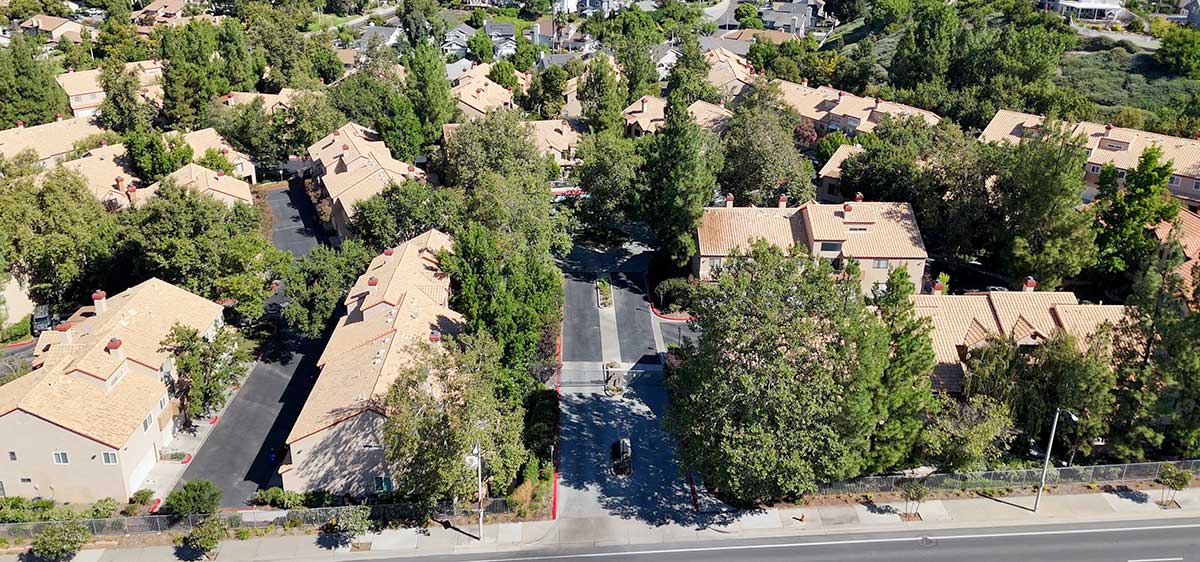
192	75
205	368
123	108
153	155
429	91
761	159
547	93
317	283
680	169
1180	51
1126	212
610	171
28	92
925	51
403	211
602	96
773	396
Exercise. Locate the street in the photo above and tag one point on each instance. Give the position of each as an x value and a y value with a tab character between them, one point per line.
1176	540
241	455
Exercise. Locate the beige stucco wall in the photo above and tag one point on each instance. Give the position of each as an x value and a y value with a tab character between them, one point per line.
17	303
343	459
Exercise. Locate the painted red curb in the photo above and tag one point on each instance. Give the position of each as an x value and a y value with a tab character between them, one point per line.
695	499
213	421
655	310
30	340
554	498
186	459
154	508
274	187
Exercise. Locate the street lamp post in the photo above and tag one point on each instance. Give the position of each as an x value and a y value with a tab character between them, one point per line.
1046	467
479	483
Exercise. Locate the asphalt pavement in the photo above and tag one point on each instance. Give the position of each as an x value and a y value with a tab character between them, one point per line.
242	453
1175	540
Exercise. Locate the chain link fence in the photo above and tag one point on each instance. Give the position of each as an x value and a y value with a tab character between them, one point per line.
384	514
999	479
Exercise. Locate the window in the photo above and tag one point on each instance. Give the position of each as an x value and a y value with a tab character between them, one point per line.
1196	185
146	423
109	458
12	455
26	480
162	402
880	263
858	229
1121	174
831	246
60	457
1173	181
383	484
1093	169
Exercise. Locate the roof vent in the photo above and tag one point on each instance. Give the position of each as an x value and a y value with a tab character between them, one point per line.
372	281
113	344
847	208
389	252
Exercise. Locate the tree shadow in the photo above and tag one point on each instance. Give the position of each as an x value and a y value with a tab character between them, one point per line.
188	553
333	541
1127	493
877	509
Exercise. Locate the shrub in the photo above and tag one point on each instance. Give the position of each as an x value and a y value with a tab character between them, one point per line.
131	509
278	497
318	498
18	331
61	541
292	522
349	522
198	497
674	294
142	497
103	508
207	535
243	533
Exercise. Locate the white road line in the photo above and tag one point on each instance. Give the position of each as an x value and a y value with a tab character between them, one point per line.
850	542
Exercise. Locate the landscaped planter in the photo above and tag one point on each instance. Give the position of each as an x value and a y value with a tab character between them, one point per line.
604	293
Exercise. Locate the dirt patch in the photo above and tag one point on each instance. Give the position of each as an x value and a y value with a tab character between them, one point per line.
910	517
1146	487
1172	504
360	546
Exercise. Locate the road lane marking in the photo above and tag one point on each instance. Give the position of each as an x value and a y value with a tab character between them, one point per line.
845	542
1156	560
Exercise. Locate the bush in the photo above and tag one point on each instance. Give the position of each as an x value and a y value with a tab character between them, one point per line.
280	498
61	541
243	534
674	294
103	508
198	497
18	331
142	497
318	498
349	522
207	535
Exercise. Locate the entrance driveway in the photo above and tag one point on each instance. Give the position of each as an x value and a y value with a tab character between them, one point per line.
242	453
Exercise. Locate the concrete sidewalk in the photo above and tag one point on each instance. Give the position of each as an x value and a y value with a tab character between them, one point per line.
611	531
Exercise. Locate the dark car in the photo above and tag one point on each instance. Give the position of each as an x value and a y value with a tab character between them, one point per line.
41	319
622	457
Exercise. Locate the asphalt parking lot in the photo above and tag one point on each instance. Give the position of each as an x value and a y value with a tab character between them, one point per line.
242	453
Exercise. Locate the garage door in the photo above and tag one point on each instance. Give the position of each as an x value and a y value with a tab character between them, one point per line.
140	471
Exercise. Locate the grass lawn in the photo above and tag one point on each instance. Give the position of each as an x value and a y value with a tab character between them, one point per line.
327	21
1116	78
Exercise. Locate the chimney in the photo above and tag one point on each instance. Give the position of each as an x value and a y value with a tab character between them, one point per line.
782	201
858	196
938	287
435	336
103	143
643	110
345	147
804	82
220	173
58	117
729	201
224	151
113	347
389	252
20	124
337	133
65	330
847	207
1030	284
120	182
100	301
1107	129
412	169
372	281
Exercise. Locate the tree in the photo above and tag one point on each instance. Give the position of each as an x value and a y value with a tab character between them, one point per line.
682	170
422	22
764	406
967	435
547	93
152	157
525	55
761	160
192	75
641	75
747	17
924	52
207	535
1125	213
905	398
309	117
196	497
1174	478
426	438
497	142
123	109
214	160
349	522
250	129
400	129
205	368
28	92
480	45
609	170
318	283
61	541
844	10
429	91
601	96
688	80
242	69
914	492
402	211
504	73
1039	187
1180	51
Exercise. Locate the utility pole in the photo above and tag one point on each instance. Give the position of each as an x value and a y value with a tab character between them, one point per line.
1046	466
479	482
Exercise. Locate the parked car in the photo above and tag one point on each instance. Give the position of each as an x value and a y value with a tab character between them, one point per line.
622	457
41	320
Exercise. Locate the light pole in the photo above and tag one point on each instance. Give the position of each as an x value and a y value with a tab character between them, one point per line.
1046	467
479	483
